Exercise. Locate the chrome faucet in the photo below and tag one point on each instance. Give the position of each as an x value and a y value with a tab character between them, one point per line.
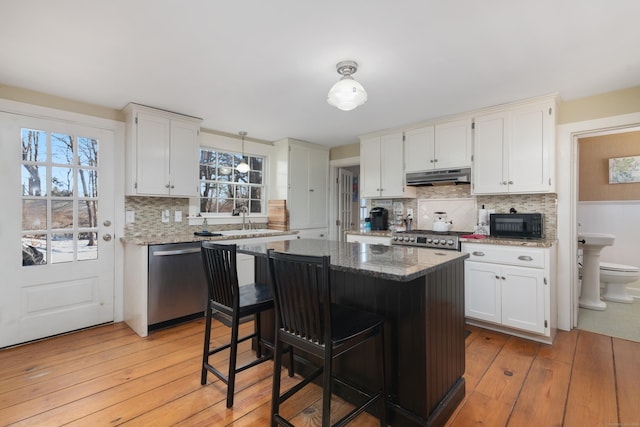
242	209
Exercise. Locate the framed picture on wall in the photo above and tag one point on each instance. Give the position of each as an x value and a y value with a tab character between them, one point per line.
624	170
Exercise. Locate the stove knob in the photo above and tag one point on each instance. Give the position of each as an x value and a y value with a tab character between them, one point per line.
429	240
412	239
436	241
443	242
450	242
406	238
395	238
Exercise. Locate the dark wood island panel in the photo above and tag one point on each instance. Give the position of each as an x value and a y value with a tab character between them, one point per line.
424	330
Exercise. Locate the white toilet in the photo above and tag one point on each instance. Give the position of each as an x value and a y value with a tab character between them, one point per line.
614	279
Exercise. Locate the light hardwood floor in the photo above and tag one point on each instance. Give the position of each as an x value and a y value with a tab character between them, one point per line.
110	376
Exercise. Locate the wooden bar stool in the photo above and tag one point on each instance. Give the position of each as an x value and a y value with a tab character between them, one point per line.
225	296
306	319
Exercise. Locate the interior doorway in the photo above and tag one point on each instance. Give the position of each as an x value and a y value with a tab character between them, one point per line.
341	170
607	207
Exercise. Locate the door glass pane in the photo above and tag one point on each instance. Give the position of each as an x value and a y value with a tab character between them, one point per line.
61	182
87	213
62	248
34	249
88	183
61	214
34	180
34	214
34	145
87	151
57	169
87	246
61	149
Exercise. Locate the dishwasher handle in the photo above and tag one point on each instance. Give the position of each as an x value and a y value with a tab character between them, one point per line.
177	252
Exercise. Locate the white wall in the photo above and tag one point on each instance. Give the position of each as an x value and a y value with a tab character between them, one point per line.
622	219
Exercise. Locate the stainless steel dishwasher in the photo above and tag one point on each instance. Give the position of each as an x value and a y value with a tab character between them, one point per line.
177	287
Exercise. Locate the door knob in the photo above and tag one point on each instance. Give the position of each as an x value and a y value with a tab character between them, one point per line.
106	237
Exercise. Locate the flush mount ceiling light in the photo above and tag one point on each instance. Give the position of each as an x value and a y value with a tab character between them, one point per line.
242	167
347	93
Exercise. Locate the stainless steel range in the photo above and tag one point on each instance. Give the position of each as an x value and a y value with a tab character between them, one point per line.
449	240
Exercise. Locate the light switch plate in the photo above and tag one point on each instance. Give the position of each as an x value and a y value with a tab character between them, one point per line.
178	216
130	217
165	215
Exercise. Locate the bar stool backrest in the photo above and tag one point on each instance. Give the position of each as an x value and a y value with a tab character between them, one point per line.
301	292
219	263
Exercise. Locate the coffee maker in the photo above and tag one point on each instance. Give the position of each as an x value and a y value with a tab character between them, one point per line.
379	218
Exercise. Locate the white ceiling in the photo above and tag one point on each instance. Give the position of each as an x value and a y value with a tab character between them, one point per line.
266	66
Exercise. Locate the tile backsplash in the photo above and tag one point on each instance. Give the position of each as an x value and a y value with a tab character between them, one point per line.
542	203
148	217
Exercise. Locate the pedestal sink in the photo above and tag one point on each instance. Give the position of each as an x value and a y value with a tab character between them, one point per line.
592	244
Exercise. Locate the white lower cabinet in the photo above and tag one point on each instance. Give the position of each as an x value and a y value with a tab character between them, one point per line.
371	240
313	233
511	288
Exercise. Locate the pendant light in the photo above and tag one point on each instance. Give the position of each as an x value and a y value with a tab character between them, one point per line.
242	167
347	93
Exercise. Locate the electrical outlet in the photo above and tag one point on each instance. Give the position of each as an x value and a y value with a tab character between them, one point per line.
130	217
177	216
165	215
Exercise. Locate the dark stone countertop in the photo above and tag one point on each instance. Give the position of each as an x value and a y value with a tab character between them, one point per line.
399	263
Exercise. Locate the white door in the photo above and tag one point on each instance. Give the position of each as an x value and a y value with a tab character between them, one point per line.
345	202
56	246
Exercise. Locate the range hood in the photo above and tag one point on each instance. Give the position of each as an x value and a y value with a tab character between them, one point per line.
457	176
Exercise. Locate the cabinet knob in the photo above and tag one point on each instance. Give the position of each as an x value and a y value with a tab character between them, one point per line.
525	258
497	277
478	253
166	186
435	160
503	278
311	190
510	182
431	161
172	186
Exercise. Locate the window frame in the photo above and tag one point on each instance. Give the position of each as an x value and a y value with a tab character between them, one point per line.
228	146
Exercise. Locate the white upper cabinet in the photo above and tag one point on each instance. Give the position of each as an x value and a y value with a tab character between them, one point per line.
382	167
162	153
514	149
441	146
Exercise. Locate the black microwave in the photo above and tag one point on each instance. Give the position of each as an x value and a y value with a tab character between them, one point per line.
516	225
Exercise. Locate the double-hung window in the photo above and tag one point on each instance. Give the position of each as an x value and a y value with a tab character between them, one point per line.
223	189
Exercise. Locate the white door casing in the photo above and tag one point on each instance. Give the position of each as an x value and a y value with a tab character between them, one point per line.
345	203
68	292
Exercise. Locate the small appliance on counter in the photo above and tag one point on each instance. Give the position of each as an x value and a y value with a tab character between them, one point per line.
379	218
516	225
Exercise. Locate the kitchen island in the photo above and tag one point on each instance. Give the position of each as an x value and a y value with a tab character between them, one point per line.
420	292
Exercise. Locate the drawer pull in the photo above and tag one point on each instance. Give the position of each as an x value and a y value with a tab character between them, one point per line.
477	253
525	258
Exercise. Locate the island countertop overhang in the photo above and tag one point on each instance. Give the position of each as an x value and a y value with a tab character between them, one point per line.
398	263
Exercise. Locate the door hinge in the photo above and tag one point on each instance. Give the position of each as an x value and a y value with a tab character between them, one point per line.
545	280
472	157
546	324
135	185
404	137
337	180
136	119
473	125
338	222
550	110
549	181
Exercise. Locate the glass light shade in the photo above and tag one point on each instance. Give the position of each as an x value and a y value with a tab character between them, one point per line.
347	94
243	167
